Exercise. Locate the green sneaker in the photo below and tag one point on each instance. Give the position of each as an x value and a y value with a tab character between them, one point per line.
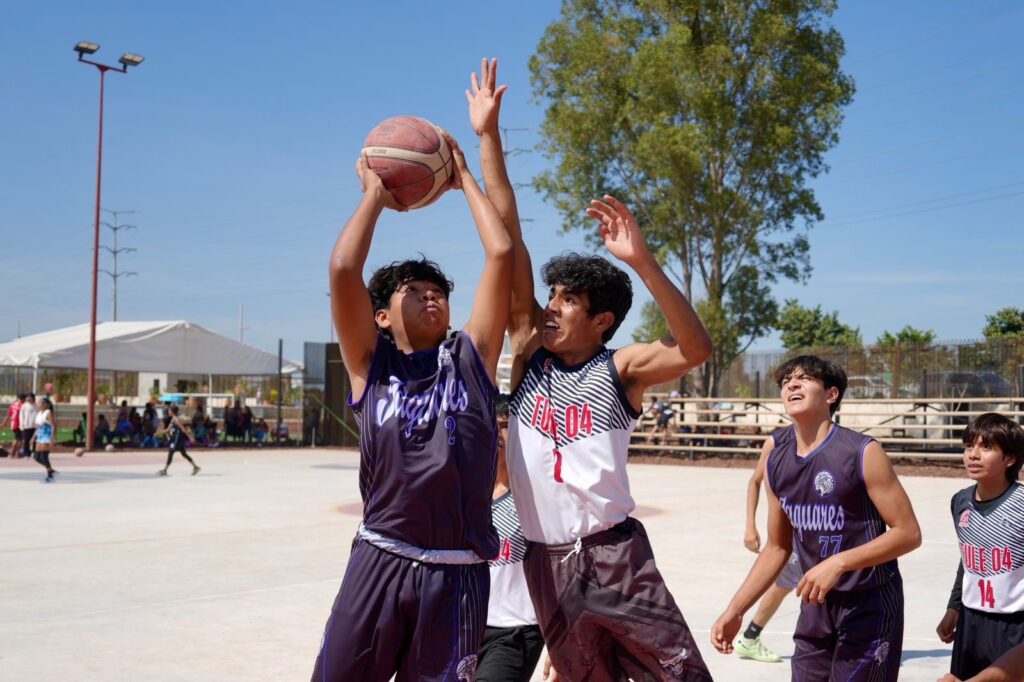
756	650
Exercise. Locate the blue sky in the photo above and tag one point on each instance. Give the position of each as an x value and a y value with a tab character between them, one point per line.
234	144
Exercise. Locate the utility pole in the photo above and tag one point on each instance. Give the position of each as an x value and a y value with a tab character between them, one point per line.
116	274
241	323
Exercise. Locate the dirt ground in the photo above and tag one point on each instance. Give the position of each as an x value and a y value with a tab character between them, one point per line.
940	468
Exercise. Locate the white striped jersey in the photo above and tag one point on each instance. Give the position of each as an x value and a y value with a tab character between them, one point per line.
568	443
992	550
509	604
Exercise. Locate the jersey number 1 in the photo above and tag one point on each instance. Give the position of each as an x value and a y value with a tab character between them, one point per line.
987	594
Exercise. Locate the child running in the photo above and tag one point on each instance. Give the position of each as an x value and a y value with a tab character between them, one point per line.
178	435
985	615
831	494
413	602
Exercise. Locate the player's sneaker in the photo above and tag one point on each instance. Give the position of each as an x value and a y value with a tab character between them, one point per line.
195	470
755	650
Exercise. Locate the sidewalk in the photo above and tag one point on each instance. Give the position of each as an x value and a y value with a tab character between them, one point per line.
114	574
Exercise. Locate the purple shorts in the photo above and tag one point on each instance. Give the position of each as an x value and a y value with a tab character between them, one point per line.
853	636
398	617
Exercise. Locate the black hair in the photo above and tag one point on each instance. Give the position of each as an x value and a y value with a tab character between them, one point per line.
608	288
173	409
995	429
501	405
827	372
388	279
22	395
48	404
30	394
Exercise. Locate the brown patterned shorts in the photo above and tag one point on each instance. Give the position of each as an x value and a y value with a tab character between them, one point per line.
606	613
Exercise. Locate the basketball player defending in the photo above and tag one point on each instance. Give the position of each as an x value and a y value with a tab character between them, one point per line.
831	494
413	602
602	605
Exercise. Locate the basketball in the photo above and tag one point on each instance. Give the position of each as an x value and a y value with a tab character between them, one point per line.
411	158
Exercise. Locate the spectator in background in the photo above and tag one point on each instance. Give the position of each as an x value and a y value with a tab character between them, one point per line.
27	419
136	425
122	427
212	437
260	431
247	419
103	432
79	433
14	417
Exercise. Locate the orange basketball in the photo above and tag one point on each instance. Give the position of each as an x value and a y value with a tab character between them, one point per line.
411	157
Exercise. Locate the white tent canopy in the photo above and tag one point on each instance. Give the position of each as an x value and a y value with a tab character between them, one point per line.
177	347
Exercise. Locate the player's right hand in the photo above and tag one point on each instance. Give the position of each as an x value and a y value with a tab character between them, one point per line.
550	674
948	677
947	626
724	631
752	540
372	186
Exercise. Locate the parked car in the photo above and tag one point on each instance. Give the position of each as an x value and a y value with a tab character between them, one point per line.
983	384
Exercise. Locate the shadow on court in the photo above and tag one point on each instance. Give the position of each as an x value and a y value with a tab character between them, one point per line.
909	655
80	476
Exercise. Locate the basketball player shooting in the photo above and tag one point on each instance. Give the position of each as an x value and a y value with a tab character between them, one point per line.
603	607
413	602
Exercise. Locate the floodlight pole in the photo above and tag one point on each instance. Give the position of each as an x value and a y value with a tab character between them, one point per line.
90	426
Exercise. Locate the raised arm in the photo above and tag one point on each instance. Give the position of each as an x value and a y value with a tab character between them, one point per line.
350	299
484	106
751	538
644	364
766	568
904	533
489	317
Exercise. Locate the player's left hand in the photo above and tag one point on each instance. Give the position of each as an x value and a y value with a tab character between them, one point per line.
485	98
817	582
619	230
948	677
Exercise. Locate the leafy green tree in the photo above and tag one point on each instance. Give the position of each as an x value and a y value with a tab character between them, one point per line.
813	328
653	325
908	337
708	119
1005	323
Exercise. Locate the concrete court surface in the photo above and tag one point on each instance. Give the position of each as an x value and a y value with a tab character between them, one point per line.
112	573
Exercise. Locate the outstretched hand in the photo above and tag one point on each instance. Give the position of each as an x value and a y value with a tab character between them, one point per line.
619	230
372	186
485	97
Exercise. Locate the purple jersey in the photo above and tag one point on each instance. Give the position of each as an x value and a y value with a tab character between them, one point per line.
824	495
428	440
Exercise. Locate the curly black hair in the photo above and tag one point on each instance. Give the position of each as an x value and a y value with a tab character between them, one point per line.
608	287
388	279
827	372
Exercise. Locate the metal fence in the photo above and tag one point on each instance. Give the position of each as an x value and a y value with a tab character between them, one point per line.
912	428
952	369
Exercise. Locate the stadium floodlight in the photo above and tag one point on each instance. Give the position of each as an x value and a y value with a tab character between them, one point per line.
129	59
84	47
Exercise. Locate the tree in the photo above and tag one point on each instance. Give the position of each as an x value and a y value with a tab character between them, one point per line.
653	325
708	119
907	337
1006	323
812	328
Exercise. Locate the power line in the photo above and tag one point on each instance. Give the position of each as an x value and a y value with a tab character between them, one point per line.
116	227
